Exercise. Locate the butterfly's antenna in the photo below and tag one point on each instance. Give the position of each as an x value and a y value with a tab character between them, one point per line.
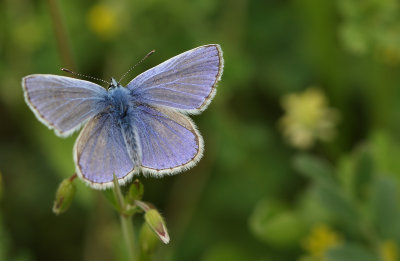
82	75
144	58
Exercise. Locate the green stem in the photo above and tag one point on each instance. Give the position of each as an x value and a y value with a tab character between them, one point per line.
127	230
126	223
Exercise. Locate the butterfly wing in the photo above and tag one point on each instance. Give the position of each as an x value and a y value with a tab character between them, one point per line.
101	151
63	103
169	140
186	82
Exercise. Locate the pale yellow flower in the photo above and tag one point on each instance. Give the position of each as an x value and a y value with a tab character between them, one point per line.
321	239
307	118
389	251
102	20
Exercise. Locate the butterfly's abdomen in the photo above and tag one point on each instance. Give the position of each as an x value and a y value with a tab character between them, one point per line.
131	138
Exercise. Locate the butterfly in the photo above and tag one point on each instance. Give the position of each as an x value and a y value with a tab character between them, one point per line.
141	127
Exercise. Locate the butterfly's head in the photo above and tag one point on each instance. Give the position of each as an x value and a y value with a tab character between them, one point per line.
113	84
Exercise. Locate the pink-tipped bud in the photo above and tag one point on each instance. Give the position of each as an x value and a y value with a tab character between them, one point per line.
157	224
64	196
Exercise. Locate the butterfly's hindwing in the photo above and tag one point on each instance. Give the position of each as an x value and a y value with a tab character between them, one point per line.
169	140
100	151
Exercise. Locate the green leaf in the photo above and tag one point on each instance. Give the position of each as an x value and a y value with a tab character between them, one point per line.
335	201
311	210
109	194
355	172
314	168
275	225
350	252
385	150
386	215
363	174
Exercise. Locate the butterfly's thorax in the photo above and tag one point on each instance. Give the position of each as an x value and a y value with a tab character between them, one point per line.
119	102
121	107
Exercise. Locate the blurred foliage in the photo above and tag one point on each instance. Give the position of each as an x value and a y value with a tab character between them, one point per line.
252	196
371	27
358	199
321	239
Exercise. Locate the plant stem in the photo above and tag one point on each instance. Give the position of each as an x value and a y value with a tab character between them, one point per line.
126	223
127	230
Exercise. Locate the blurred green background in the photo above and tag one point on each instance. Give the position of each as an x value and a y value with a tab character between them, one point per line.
302	140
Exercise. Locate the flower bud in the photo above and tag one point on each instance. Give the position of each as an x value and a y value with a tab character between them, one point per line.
64	196
135	192
148	241
157	224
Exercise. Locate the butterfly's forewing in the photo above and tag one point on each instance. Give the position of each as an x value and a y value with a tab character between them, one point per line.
62	103
186	82
100	151
169	140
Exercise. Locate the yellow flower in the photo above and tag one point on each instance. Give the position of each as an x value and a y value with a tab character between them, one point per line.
389	55
321	239
307	118
389	251
102	20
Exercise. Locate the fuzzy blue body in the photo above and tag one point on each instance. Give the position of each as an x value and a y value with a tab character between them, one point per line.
120	102
121	105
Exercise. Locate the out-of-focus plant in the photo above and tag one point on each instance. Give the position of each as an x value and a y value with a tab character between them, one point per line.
389	251
307	118
371	26
6	239
103	21
275	224
356	202
361	201
321	239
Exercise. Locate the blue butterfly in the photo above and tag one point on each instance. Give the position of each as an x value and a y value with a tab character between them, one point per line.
140	127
